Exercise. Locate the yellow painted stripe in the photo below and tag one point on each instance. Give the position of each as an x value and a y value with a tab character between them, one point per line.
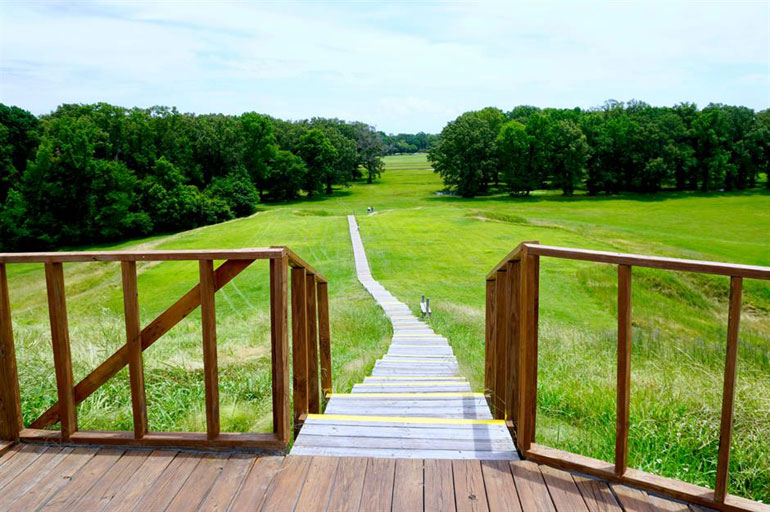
419	378
403	419
424	383
408	395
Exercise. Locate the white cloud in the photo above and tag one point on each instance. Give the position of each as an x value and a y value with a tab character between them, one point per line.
401	67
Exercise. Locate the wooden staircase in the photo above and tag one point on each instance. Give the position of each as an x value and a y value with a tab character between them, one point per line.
414	405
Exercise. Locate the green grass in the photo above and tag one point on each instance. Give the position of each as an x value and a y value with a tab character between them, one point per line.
419	242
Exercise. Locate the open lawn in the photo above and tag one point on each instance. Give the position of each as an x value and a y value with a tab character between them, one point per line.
443	246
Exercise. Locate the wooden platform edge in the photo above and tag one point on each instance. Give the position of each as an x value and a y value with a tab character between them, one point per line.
646	481
267	443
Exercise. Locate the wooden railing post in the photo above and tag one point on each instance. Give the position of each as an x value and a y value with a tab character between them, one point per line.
324	337
489	338
209	328
10	401
728	391
528	318
279	340
514	337
502	298
134	345
624	369
313	402
299	344
62	356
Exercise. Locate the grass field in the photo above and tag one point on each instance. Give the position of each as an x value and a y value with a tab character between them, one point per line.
419	242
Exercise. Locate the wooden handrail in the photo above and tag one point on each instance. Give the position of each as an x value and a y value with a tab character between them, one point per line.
512	298
313	338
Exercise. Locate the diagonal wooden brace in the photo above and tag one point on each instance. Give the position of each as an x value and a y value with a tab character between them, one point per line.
150	334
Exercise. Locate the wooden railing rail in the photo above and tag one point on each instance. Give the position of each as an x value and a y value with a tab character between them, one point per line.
512	303
310	337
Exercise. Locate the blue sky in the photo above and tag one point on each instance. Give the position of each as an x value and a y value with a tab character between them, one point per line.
401	66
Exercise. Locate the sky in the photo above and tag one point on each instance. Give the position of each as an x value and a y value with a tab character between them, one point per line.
399	66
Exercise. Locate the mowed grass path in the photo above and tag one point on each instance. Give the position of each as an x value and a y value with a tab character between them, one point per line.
418	242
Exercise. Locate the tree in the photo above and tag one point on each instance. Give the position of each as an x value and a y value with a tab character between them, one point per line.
319	155
287	176
18	141
236	190
370	150
259	148
514	155
570	153
466	154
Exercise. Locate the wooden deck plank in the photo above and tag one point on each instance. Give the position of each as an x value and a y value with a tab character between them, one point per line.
532	490
104	489
439	485
22	457
596	494
667	505
283	491
426	443
501	491
252	491
230	480
318	485
377	494
470	493
633	500
48	485
198	484
448	432
393	453
348	485
33	474
170	481
563	489
97	466
408	487
141	482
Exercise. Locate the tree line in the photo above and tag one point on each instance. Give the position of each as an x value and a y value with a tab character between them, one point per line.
619	147
408	142
95	173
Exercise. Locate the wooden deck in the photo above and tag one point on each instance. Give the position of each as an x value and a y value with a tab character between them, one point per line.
414	405
35	477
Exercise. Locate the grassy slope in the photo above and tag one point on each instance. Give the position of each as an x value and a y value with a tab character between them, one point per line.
417	243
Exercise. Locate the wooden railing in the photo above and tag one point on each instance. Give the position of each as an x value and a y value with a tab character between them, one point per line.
310	328
512	300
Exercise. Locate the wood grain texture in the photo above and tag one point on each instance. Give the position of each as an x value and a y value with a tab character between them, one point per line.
377	493
439	485
533	493
408	486
563	490
62	356
489	335
470	493
324	337
624	369
283	491
134	346
252	492
728	390
97	466
209	332
314	400
227	484
279	342
10	399
198	484
317	488
501	492
596	494
299	345
514	351
502	302
134	490
348	485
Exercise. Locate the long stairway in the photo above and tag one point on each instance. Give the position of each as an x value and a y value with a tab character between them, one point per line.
414	405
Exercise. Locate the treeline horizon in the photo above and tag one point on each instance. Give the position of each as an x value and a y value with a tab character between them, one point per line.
619	147
93	173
